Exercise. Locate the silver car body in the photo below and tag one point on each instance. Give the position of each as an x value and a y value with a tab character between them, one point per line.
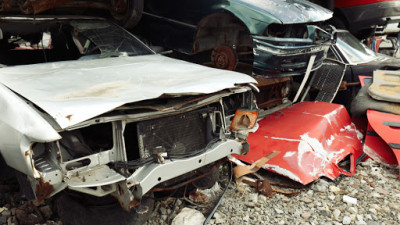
39	102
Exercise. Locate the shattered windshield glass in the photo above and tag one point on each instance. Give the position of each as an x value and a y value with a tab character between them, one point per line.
108	38
354	51
27	41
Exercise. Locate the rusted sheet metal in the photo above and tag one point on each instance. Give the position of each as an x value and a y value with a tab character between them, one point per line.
38	6
312	137
262	186
387	127
43	190
224	57
272	91
198	197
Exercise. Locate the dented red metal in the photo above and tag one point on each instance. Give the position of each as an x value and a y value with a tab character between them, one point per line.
387	126
377	149
376	144
312	137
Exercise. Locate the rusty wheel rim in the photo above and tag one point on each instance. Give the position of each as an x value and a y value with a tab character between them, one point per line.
224	57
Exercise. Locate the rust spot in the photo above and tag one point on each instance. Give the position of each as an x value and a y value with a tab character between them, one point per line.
271	91
43	190
68	117
28	157
134	203
59	154
104	90
198	197
265	188
38	6
6	5
223	57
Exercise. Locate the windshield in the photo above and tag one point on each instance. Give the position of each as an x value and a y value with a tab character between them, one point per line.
353	50
52	40
109	39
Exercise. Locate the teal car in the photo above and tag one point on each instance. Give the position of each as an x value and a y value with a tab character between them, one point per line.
276	37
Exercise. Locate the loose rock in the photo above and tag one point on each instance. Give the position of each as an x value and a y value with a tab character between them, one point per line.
188	216
346	220
349	199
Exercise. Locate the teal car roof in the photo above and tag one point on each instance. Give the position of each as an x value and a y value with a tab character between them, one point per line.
289	11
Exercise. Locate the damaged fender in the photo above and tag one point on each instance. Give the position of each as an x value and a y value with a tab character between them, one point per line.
20	125
312	138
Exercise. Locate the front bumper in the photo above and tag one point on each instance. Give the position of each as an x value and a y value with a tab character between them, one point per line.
145	178
101	180
282	57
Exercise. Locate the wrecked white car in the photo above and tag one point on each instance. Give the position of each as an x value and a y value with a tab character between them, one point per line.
97	112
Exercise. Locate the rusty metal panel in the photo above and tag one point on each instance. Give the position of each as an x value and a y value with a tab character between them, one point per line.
312	138
38	6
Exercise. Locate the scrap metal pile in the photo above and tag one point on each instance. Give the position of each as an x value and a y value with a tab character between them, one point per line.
90	114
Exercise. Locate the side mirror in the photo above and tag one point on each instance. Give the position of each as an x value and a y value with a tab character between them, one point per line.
1	34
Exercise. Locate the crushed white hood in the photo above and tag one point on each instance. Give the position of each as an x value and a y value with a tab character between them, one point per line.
74	91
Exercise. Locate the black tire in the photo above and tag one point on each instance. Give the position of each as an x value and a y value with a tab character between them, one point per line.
127	14
75	211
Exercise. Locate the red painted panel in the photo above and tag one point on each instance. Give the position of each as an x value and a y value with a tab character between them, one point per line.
387	133
312	137
377	149
350	3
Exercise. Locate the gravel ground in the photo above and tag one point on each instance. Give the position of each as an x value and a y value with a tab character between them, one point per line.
369	197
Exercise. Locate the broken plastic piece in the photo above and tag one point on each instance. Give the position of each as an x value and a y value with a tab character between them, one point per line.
243	120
